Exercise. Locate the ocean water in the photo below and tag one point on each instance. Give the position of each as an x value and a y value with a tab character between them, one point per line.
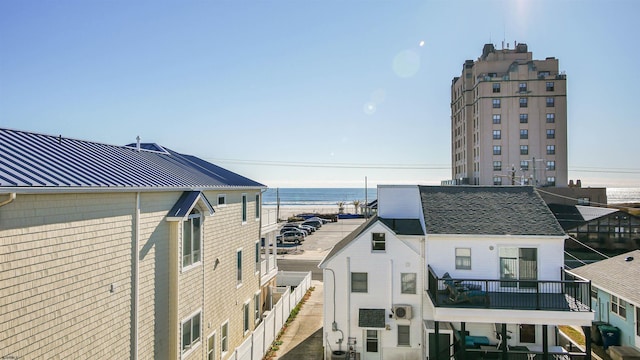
332	196
623	195
317	196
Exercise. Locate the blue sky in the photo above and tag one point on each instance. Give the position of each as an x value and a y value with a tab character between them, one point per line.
310	93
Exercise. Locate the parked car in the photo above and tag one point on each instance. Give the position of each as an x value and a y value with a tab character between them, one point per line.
315	223
323	221
310	229
289	236
300	231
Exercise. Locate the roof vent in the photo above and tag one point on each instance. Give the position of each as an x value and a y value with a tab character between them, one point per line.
138	143
628	258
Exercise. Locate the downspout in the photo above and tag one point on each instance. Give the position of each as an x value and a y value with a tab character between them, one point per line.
348	297
12	196
334	324
136	278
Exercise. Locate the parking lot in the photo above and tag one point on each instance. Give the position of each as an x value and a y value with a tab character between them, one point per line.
318	244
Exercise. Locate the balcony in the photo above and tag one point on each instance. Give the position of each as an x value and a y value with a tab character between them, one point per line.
571	294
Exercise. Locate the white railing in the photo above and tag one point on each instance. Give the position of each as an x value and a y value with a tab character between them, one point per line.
260	340
269	217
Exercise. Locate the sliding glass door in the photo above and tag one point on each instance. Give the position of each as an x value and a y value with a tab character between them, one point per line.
518	264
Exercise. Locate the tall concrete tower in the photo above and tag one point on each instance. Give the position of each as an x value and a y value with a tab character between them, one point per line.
509	120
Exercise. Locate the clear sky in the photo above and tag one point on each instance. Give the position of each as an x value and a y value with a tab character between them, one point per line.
305	93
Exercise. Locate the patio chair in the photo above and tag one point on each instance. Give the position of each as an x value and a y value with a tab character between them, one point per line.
498	328
461	295
462	286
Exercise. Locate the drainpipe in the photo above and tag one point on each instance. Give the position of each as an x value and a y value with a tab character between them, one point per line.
136	278
348	296
12	196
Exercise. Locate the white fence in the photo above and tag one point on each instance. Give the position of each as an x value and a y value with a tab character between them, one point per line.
259	342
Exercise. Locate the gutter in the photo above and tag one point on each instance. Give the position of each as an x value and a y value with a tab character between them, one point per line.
12	196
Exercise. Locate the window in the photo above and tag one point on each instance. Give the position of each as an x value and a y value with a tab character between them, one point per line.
496	103
496	87
522	87
496	134
378	242
224	338
496	118
244	208
190	332
551	165
408	283
637	320
551	133
257	256
551	102
211	347
257	206
551	181
359	282
594	292
497	166
463	258
222	200
619	306
245	317
551	118
550	86
524	118
524	165
584	201
239	267
372	341
551	149
524	102
543	73
497	180
256	308
497	150
191	234
404	335
524	134
524	149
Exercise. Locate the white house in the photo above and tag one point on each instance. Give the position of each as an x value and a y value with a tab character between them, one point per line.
615	296
486	264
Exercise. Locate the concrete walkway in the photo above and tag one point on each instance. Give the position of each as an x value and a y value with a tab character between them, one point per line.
303	337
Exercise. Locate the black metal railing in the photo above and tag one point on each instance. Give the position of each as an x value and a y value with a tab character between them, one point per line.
569	294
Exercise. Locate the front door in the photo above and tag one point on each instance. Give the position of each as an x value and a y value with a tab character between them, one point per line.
372	349
527	333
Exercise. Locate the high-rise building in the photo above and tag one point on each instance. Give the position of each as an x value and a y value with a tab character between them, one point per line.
509	120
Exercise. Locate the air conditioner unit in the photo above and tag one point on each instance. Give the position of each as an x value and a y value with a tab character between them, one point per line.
402	311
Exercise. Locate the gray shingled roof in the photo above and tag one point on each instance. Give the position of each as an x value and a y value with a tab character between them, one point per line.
29	160
489	210
615	275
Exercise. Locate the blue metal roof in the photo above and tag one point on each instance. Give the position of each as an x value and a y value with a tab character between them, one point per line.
36	160
187	201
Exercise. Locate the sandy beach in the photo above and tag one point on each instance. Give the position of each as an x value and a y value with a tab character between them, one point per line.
289	211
